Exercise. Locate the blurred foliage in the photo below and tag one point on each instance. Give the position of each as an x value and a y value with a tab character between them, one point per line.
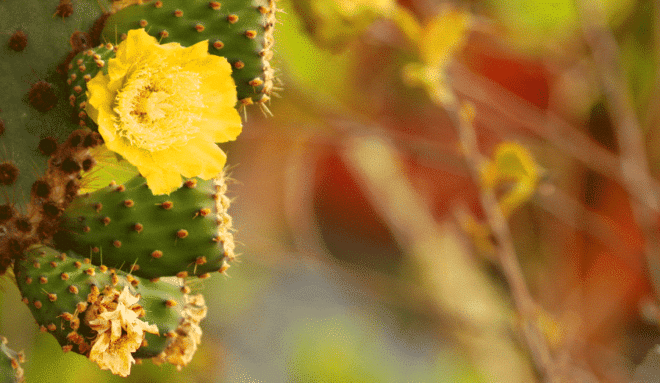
541	26
437	42
514	164
343	349
333	23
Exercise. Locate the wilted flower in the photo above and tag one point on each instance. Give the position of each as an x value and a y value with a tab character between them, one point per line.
120	331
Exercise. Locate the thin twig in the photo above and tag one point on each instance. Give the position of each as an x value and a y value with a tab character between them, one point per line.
514	111
635	172
508	261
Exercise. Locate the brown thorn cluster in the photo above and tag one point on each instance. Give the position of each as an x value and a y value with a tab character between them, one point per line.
64	9
49	195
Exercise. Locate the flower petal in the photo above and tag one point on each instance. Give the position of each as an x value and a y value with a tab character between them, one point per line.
97	97
115	331
138	42
198	50
222	125
162	181
207	162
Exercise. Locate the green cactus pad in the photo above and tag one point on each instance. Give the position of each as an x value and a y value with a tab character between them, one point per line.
33	106
60	287
10	363
241	31
128	228
82	68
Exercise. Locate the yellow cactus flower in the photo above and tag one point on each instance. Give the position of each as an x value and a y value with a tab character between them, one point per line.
163	108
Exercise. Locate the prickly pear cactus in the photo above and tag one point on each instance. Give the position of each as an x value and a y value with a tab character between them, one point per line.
90	264
82	68
185	233
48	195
68	295
10	363
241	31
36	42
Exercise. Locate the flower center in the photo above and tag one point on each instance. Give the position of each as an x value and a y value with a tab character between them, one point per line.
152	106
157	109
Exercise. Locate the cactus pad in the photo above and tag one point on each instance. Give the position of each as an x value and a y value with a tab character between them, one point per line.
128	228
239	30
33	102
82	68
61	289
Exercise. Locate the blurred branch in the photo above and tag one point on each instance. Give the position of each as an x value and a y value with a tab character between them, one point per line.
298	198
634	167
493	100
567	209
547	125
457	285
508	261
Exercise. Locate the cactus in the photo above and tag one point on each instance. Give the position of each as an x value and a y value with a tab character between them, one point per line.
61	289
82	68
127	227
38	179
241	33
32	102
52	50
48	195
10	363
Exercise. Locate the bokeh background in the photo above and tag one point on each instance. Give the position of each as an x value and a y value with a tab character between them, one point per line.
353	205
